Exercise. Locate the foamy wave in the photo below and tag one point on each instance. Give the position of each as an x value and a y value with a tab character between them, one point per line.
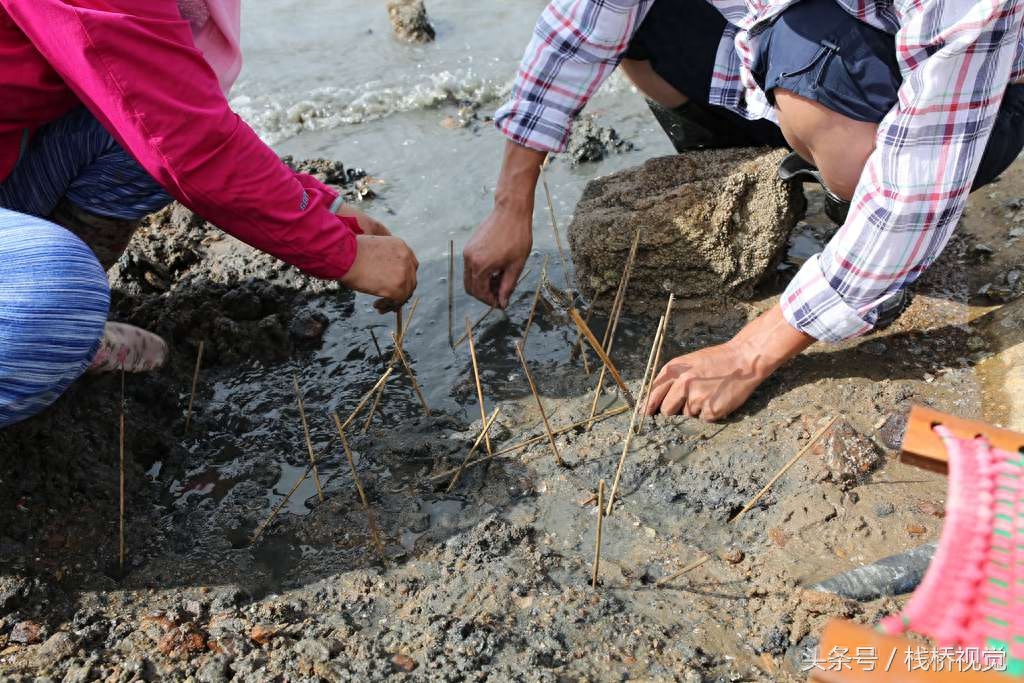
330	107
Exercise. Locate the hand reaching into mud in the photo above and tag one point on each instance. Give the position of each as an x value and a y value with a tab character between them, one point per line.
713	382
709	384
385	267
494	257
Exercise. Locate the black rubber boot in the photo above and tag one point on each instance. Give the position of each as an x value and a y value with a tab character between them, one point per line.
693	126
796	169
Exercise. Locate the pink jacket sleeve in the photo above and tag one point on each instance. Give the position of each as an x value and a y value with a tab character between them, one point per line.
134	65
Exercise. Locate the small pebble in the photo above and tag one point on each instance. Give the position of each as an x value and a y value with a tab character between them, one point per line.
884	509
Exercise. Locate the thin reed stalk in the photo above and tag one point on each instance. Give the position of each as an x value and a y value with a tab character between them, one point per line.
685	570
451	294
363	500
476	444
536	299
523	445
195	382
637	411
412	375
540	406
370	394
657	358
309	440
600	526
277	508
608	364
479	388
400	330
558	235
121	516
615	314
785	468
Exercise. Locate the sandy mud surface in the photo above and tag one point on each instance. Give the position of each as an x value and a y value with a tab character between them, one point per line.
490	581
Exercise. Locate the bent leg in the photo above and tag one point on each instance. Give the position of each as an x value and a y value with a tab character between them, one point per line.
75	173
652	84
837	145
54	301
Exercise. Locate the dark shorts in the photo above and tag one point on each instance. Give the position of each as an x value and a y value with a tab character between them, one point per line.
680	38
814	49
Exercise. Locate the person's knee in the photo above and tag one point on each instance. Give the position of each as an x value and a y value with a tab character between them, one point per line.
651	84
53	308
837	145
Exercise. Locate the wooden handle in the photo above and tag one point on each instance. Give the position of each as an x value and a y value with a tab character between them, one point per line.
923	448
843	638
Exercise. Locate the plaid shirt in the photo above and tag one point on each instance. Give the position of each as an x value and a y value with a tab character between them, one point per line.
956	59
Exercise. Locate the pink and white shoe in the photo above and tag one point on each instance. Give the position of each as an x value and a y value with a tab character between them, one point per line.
129	348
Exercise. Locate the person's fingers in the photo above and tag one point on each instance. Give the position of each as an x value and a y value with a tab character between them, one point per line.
659	389
676	399
477	281
507	284
693	406
708	414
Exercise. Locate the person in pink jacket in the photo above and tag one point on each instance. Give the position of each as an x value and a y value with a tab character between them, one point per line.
109	109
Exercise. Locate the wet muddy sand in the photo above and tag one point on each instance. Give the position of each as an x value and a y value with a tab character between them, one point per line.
492	580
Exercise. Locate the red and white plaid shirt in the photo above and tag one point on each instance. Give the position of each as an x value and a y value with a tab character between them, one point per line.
956	58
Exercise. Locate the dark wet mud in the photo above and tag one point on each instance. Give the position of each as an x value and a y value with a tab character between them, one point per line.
490	581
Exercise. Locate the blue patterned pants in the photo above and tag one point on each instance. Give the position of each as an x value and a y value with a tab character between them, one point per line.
54	296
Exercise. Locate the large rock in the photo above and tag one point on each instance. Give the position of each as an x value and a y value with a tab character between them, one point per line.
713	223
410	22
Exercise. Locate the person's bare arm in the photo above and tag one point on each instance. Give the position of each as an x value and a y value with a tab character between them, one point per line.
713	382
496	253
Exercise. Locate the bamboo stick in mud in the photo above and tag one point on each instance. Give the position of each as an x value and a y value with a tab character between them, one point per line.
195	381
412	375
523	445
400	334
657	358
608	364
370	394
376	345
685	570
476	444
785	468
600	526
554	228
309	440
637	412
579	335
277	508
540	406
615	314
536	299
451	294
363	500
479	388
373	410
121	503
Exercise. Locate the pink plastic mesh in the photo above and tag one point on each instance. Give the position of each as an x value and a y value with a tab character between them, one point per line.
972	595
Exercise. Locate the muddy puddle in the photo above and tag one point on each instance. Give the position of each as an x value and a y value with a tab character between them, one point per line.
489	580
